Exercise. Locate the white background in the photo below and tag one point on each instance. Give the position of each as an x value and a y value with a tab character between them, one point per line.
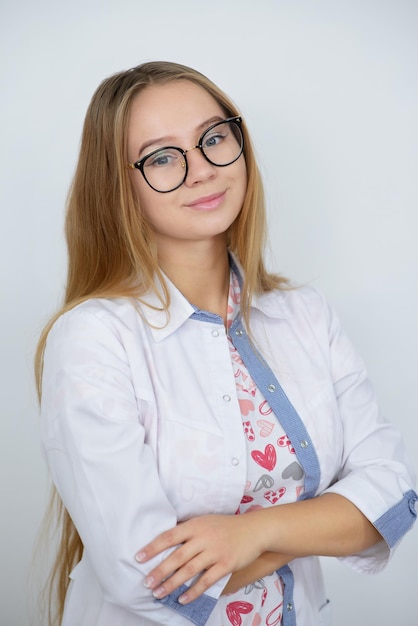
329	89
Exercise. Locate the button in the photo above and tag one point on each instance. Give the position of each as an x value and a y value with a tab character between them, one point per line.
271	388
289	606
215	333
227	398
234	460
239	332
304	444
411	504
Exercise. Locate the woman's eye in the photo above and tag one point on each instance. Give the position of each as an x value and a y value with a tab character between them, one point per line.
214	140
161	159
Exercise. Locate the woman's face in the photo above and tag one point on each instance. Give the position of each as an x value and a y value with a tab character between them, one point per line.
211	197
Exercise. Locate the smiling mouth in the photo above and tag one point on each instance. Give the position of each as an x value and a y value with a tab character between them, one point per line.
206	203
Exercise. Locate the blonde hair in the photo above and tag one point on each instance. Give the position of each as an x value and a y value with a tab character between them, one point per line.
111	248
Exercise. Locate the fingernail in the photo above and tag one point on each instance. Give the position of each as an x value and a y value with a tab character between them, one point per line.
158	593
183	599
140	557
148	582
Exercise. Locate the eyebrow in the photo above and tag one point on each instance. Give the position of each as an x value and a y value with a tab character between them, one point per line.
167	138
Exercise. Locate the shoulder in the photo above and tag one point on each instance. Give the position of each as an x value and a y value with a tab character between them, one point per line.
95	318
303	310
293	303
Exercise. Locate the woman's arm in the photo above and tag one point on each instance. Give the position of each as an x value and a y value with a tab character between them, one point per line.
216	545
374	482
98	456
266	564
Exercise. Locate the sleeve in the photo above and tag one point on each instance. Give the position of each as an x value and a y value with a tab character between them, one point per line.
102	466
375	472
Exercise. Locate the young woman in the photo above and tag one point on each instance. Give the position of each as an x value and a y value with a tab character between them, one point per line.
209	430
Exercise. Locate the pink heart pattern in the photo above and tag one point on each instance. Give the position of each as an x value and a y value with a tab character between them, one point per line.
248	430
274	618
274	496
264	408
265	427
285	441
273	477
266	459
234	610
246	406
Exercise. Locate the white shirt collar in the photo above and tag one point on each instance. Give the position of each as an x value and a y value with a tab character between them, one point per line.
163	323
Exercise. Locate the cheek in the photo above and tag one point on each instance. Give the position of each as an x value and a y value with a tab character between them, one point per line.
148	200
244	178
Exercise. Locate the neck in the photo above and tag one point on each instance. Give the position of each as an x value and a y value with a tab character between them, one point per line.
200	270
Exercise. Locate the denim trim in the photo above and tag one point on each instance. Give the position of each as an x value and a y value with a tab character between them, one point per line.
205	316
283	409
393	524
197	611
289	610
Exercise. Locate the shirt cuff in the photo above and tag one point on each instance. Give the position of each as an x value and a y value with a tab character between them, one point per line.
197	611
393	524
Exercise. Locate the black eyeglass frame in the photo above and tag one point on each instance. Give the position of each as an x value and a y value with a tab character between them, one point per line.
139	165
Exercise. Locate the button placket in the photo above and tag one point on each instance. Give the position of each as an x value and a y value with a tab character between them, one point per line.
281	406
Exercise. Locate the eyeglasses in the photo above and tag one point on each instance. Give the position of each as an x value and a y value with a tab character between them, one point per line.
165	169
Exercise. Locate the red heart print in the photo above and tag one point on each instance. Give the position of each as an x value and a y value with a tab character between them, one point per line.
264	408
235	609
274	618
266	459
246	406
246	499
285	441
248	430
274	496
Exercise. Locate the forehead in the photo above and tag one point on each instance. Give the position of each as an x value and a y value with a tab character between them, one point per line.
174	107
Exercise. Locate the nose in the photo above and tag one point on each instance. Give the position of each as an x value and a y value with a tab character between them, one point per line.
199	169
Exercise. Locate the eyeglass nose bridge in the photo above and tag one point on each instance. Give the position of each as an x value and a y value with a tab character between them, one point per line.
192	148
198	147
185	163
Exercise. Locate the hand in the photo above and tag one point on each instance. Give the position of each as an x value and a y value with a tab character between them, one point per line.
211	545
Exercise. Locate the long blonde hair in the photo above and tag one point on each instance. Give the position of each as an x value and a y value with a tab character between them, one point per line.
111	248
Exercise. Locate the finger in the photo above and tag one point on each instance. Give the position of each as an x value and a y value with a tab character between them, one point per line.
203	583
180	560
190	570
168	539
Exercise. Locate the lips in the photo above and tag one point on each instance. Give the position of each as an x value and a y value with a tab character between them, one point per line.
206	203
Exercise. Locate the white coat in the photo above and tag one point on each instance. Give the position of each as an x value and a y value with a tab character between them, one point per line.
141	428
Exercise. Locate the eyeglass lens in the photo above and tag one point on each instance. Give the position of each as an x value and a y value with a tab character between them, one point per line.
166	169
